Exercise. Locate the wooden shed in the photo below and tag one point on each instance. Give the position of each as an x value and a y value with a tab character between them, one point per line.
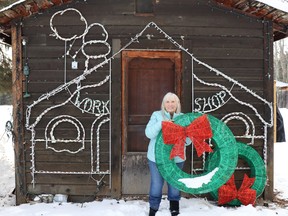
88	74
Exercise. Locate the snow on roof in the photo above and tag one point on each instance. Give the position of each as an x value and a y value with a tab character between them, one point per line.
278	4
281	84
11	5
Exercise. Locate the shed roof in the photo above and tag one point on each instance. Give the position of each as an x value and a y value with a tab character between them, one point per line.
273	10
281	84
18	9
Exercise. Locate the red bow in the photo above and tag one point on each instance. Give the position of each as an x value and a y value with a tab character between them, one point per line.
245	194
197	131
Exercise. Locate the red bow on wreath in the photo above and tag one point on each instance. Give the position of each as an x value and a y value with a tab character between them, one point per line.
197	131
245	194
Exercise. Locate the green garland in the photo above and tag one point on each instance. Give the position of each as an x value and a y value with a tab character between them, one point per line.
257	166
220	169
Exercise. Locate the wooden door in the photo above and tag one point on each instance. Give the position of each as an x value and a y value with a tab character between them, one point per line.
146	77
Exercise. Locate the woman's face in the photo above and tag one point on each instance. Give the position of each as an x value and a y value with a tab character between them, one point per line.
170	105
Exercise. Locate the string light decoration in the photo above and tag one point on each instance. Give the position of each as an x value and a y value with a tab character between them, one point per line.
95	107
91	105
198	131
212	103
50	136
258	172
250	127
219	170
245	194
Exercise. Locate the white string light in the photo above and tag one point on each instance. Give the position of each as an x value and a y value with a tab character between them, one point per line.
95	107
213	102
58	120
92	106
238	116
61	13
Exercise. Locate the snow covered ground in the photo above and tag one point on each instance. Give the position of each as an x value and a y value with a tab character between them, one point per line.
111	207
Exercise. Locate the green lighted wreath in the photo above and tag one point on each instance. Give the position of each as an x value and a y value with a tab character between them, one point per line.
257	166
220	168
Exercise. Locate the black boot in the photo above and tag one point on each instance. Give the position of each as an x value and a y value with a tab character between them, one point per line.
152	212
174	208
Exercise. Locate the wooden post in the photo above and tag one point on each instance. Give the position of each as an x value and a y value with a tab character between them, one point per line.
116	163
269	96
18	115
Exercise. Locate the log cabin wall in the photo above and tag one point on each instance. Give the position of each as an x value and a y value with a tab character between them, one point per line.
235	44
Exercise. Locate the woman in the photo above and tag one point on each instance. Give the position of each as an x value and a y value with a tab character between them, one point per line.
170	109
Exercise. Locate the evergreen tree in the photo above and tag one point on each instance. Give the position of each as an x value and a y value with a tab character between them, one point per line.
5	76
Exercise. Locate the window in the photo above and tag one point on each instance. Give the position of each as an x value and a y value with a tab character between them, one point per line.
144	7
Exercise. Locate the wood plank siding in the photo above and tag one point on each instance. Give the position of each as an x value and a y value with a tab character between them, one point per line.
233	43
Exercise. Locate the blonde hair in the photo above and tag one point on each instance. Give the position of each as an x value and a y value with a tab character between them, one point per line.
175	97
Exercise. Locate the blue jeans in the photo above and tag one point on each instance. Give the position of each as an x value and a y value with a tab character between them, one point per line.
156	186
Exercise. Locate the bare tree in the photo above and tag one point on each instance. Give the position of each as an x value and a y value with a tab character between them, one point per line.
281	70
281	60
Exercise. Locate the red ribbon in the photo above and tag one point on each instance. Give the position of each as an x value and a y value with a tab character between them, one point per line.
245	194
197	131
